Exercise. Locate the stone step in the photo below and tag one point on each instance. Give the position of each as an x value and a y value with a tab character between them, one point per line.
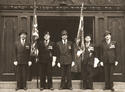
76	84
56	90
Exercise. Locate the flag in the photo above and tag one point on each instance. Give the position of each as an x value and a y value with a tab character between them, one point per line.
34	33
80	33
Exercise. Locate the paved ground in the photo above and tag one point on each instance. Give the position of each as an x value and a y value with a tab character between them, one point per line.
56	90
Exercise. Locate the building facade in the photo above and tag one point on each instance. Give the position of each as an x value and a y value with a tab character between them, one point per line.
55	15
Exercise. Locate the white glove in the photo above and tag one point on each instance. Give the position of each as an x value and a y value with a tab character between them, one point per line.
91	49
73	63
54	61
101	63
59	65
116	63
96	61
29	63
15	63
79	52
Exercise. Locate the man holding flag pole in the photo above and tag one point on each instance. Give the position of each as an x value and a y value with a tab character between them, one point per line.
86	52
34	39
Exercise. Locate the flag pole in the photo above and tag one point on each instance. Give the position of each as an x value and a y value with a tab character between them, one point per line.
35	26
35	33
82	45
81	28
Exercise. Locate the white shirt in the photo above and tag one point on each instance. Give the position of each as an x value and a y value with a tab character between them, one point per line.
64	41
87	44
108	41
23	41
46	42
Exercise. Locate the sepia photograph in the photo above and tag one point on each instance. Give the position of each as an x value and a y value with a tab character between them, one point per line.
62	45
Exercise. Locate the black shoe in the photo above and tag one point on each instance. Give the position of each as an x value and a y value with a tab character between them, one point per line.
70	88
25	88
51	88
83	88
41	89
90	88
106	89
112	89
60	88
17	89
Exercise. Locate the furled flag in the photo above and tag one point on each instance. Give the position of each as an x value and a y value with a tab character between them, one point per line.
80	34
35	33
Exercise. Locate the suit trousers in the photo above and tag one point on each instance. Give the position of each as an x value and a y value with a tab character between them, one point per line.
21	75
66	76
87	75
108	69
46	72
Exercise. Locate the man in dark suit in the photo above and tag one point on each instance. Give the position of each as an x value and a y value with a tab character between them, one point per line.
87	65
109	58
65	58
46	60
22	53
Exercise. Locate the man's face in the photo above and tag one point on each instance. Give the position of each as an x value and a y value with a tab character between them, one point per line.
46	36
64	37
107	37
87	38
23	36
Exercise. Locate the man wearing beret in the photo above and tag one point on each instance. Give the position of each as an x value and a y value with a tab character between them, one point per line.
47	58
109	58
22	53
65	58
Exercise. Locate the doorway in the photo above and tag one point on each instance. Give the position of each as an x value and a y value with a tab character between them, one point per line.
56	24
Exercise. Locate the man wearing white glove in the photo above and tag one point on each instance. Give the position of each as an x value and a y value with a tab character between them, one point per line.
65	60
87	64
22	53
47	60
109	59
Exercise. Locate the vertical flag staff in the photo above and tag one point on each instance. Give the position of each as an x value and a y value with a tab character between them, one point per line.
34	36
80	34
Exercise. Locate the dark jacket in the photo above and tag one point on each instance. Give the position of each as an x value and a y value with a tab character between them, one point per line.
65	52
89	59
109	52
46	52
22	53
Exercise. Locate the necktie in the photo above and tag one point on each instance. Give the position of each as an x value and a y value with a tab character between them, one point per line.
64	42
46	42
23	42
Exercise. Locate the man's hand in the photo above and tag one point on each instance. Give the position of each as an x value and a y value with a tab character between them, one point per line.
37	59
79	52
29	63
15	63
58	64
96	61
101	63
54	61
73	63
116	63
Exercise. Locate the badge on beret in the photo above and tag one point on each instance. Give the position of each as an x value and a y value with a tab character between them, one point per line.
50	47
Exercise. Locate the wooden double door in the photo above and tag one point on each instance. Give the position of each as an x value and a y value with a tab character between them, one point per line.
10	26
